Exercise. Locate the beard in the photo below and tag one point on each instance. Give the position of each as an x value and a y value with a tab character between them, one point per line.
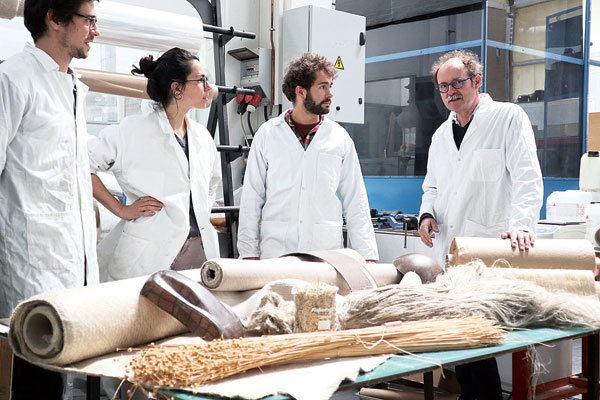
73	51
313	107
79	53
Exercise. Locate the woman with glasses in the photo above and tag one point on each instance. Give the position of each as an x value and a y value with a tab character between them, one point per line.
168	169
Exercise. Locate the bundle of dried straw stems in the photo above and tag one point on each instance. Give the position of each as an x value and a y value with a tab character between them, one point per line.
191	366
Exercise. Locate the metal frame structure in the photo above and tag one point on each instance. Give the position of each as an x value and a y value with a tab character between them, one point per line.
210	12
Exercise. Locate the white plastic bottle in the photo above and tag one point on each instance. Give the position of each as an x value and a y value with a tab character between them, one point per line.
589	172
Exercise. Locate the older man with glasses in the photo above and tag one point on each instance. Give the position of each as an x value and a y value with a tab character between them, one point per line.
483	179
47	225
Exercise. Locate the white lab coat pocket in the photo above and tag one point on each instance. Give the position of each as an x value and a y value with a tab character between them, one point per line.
327	237
55	252
134	254
272	238
487	165
125	263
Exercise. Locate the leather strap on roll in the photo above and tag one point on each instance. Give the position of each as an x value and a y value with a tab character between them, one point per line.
353	272
193	305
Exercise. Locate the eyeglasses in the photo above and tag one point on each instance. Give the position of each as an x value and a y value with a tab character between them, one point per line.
92	20
456	84
203	80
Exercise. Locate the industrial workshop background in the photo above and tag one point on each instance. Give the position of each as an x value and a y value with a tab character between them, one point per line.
539	54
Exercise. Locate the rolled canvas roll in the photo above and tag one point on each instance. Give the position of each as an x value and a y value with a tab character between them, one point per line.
114	83
66	326
546	253
575	281
225	274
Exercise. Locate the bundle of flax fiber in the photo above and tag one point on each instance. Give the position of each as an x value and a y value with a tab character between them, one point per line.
190	367
474	290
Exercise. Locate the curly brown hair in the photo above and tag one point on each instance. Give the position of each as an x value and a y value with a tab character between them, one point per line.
302	72
469	59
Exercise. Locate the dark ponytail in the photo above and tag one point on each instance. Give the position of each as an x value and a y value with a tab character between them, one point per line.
172	66
146	68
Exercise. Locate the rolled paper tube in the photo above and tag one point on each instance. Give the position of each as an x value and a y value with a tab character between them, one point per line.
546	253
114	83
579	282
225	274
66	326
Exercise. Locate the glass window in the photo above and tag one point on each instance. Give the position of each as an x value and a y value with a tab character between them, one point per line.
534	59
402	108
539	65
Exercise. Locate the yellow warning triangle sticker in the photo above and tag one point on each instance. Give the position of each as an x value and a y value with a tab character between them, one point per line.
338	63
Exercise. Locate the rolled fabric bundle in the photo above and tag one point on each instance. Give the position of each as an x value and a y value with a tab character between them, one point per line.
574	281
546	254
226	274
65	326
114	83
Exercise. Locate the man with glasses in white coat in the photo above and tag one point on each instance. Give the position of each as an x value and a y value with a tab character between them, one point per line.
483	179
303	173
47	225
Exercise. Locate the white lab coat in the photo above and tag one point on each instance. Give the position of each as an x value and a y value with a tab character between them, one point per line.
493	184
47	224
290	196
146	159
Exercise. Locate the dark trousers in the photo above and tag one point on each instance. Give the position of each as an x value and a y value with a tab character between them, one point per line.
31	382
479	380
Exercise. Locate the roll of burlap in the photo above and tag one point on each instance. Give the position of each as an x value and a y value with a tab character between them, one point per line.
65	326
546	253
226	274
574	281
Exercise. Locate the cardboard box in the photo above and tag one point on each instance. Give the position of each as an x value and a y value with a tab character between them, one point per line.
593	137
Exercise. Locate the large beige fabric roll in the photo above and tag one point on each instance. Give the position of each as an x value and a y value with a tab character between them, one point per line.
114	83
65	326
575	281
546	253
226	274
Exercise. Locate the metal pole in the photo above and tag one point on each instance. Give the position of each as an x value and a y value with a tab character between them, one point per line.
484	38
586	72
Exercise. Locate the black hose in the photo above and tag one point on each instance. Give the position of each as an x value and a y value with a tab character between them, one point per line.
250	125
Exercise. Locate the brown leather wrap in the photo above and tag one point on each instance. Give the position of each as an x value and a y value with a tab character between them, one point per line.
193	305
355	276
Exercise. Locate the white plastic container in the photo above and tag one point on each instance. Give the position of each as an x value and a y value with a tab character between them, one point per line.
567	206
589	172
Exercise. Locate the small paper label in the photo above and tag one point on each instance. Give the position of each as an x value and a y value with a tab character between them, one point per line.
324	325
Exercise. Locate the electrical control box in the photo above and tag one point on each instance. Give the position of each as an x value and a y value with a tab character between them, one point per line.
340	37
255	69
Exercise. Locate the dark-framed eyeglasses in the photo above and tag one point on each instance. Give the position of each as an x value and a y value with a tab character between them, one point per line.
456	84
91	20
203	80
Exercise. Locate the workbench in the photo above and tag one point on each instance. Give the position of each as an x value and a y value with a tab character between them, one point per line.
516	343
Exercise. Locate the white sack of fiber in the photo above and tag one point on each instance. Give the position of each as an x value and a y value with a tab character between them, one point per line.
227	274
65	326
146	28
545	254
